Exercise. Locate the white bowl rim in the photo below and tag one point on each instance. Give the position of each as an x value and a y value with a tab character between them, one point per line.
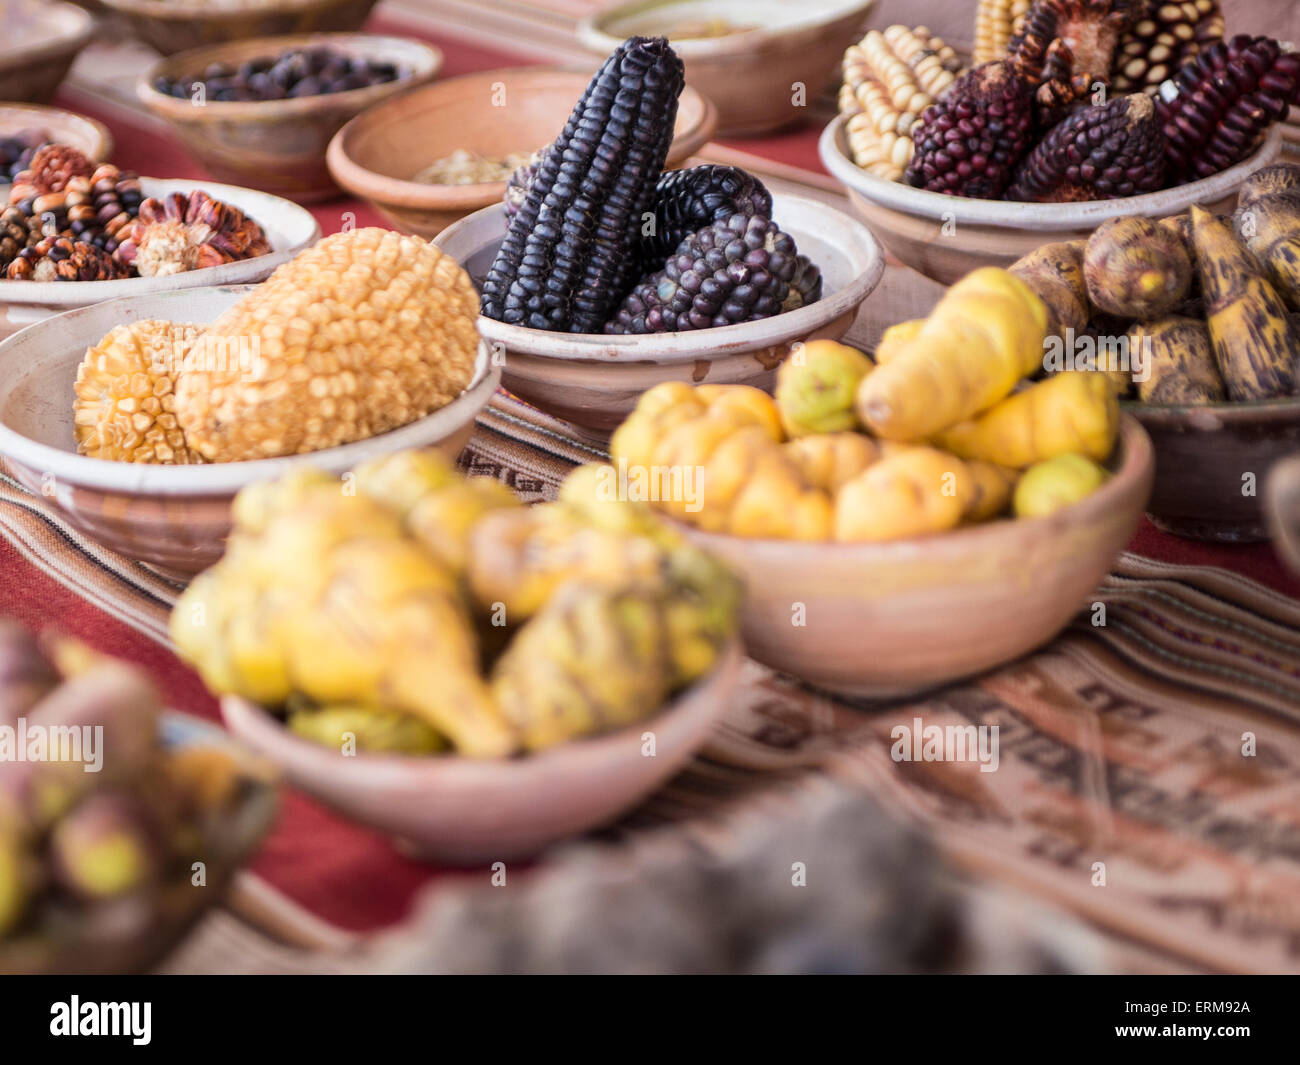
222	479
700	344
1048	217
388	770
74	294
593	35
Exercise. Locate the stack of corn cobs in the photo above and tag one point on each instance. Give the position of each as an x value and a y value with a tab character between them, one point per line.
602	240
1069	100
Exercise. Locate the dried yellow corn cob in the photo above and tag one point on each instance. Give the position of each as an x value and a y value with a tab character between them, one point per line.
125	405
996	21
890	77
365	332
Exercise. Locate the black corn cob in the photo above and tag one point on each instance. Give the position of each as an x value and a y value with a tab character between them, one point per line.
688	200
1221	102
1100	153
569	253
736	270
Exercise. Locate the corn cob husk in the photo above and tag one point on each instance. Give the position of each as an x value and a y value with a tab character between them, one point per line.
890	78
995	22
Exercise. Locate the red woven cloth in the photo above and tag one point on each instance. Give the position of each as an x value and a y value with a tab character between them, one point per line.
342	873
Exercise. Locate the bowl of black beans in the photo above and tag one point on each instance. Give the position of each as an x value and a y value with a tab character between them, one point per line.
261	113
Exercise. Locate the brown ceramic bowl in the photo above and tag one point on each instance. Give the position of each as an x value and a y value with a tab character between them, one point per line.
89	137
751	75
41	39
469	811
376	155
946	237
1282	509
1212	463
172	26
175	518
595	381
279	145
891	619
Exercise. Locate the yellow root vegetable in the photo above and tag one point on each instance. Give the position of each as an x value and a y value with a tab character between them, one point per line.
896	338
986	490
1067	412
1049	486
816	385
829	460
912	492
986	334
1055	272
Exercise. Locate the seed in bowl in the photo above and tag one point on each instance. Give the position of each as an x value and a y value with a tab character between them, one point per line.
426	612
463	167
295	73
16	151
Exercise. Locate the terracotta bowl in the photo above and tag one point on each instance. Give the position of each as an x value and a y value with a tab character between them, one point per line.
594	381
892	619
41	39
1282	509
750	76
376	155
107	945
469	811
279	145
289	227
172	26
175	518
1212	463
91	138
946	237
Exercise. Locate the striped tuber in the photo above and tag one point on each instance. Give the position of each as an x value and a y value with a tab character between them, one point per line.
1136	268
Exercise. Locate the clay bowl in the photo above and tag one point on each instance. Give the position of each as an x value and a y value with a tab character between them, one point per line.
109	944
41	39
594	381
467	811
1212	463
946	237
89	137
749	75
892	619
175	518
1282	509
172	26
279	145
376	155
289	227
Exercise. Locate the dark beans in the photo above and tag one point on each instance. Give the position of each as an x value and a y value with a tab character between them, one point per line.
294	74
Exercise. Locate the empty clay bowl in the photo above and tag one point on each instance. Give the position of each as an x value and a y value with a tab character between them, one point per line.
1212	463
41	38
289	228
891	619
594	381
172	26
494	114
946	237
175	518
752	76
464	810
279	145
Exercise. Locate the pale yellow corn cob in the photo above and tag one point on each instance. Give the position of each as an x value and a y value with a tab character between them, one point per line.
996	21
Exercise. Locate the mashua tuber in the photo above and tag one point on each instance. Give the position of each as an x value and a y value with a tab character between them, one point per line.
1177	362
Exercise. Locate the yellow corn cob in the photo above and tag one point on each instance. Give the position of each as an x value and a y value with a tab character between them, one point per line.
125	406
996	21
365	332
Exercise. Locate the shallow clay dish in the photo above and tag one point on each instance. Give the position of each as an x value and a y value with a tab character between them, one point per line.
946	237
89	137
83	946
176	518
279	145
751	75
290	229
172	26
1212	463
892	619
466	810
41	39
594	381
376	155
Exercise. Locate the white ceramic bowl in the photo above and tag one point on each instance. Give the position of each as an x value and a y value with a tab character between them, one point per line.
945	237
595	380
465	810
175	518
289	228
